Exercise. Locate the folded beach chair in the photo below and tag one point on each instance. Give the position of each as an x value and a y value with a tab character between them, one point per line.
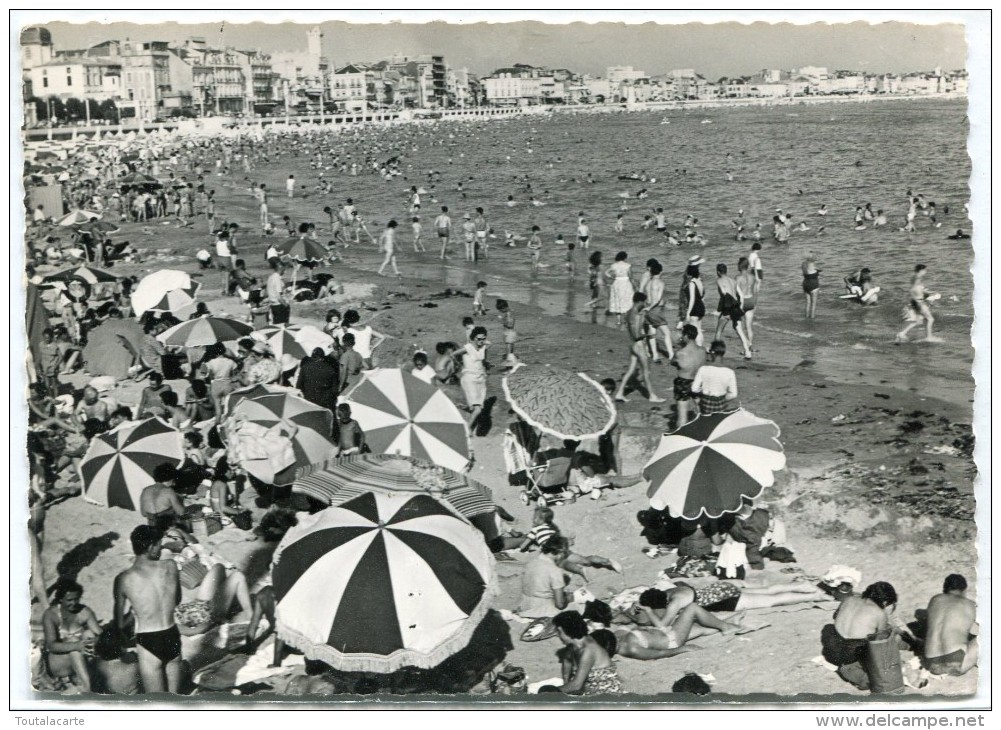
547	482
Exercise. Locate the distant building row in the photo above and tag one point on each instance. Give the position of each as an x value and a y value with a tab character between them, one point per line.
522	84
151	79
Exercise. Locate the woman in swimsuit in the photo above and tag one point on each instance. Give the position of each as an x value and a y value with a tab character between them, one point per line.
811	286
70	630
587	667
696	309
158	502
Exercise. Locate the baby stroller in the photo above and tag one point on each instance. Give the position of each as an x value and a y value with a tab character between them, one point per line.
548	481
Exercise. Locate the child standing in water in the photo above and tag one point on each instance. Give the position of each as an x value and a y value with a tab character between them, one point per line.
481	290
535	246
571	263
510	335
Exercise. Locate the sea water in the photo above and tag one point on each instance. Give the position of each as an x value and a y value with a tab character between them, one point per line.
790	158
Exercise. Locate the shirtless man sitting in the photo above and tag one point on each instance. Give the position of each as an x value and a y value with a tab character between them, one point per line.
858	617
951	646
152	587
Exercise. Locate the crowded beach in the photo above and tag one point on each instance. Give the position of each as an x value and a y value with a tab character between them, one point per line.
273	453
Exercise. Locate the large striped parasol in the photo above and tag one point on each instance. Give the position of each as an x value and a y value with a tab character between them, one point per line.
76	217
401	414
565	404
709	465
311	442
166	290
296	340
119	465
303	250
252	391
88	273
205	331
337	480
381	582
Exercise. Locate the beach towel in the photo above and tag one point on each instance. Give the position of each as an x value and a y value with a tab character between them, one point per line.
240	669
262	452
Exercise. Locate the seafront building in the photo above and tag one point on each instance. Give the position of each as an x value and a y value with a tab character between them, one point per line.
160	79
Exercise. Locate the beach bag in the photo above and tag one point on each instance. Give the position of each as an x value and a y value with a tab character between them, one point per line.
732	560
508	681
882	664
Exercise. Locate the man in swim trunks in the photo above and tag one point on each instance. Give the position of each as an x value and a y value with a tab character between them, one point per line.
951	646
639	358
482	245
443	225
152	588
688	358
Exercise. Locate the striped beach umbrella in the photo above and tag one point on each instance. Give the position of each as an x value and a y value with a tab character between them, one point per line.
565	404
205	331
335	481
76	217
709	465
381	582
119	465
252	391
88	273
281	340
311	442
303	250
166	290
401	414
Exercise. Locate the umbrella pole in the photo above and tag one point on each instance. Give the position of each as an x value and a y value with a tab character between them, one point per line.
295	279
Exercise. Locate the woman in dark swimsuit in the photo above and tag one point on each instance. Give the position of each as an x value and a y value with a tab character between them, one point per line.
811	286
696	306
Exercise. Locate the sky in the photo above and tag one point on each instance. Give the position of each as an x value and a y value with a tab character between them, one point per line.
714	50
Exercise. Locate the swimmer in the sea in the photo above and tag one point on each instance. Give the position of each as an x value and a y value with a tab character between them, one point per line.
822	211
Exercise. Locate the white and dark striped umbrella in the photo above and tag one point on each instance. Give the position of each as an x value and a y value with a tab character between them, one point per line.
381	582
205	331
88	273
312	441
337	480
401	414
119	465
710	464
166	290
252	391
304	250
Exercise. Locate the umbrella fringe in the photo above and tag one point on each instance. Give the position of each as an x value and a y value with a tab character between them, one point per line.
389	663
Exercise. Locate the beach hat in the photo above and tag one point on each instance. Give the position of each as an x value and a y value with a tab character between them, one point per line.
696	260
